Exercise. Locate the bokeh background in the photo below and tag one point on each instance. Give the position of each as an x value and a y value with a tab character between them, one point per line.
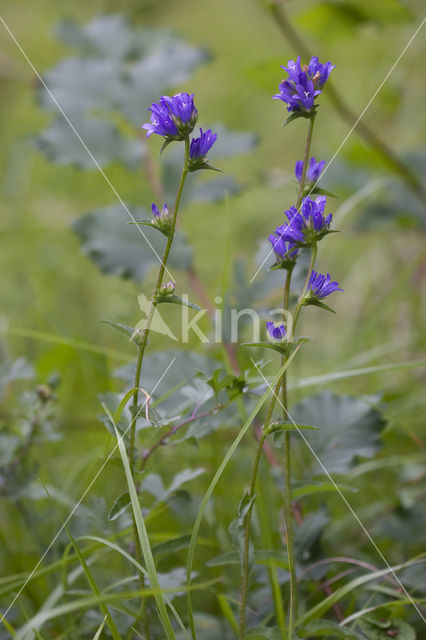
52	295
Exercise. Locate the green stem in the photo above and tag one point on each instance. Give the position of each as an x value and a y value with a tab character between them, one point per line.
151	310
141	353
272	568
305	286
288	515
305	160
245	568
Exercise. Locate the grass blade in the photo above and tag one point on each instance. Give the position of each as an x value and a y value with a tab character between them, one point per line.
99	631
318	610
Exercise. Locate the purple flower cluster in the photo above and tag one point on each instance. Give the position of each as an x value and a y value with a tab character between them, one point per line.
321	286
313	172
307	225
172	117
303	85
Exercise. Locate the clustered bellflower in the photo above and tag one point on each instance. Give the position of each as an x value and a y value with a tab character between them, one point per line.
199	148
173	117
307	225
285	252
313	172
303	84
320	286
277	332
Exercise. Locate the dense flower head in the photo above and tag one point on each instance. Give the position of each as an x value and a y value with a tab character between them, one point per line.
303	84
313	172
172	117
277	332
320	286
201	146
307	225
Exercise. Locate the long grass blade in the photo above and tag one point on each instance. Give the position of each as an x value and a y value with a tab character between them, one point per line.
318	610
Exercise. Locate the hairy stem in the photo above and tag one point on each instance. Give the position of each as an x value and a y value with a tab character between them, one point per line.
151	310
288	515
245	568
141	353
305	160
299	304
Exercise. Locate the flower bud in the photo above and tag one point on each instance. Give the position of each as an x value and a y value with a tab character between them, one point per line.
167	289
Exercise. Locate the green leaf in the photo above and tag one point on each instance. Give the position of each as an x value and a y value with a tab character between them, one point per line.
106	144
237	528
120	505
99	631
120	249
171	546
173	299
317	303
148	223
375	629
121	328
261	556
227	612
266	345
278	429
123	67
298	114
285	425
320	628
308	534
350	428
302	489
319	191
318	610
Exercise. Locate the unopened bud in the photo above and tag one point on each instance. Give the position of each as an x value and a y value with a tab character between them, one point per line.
167	289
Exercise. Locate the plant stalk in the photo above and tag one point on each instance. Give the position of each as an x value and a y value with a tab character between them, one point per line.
141	353
288	515
305	161
245	568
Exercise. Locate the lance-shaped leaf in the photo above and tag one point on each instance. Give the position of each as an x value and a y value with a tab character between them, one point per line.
121	328
173	299
237	528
